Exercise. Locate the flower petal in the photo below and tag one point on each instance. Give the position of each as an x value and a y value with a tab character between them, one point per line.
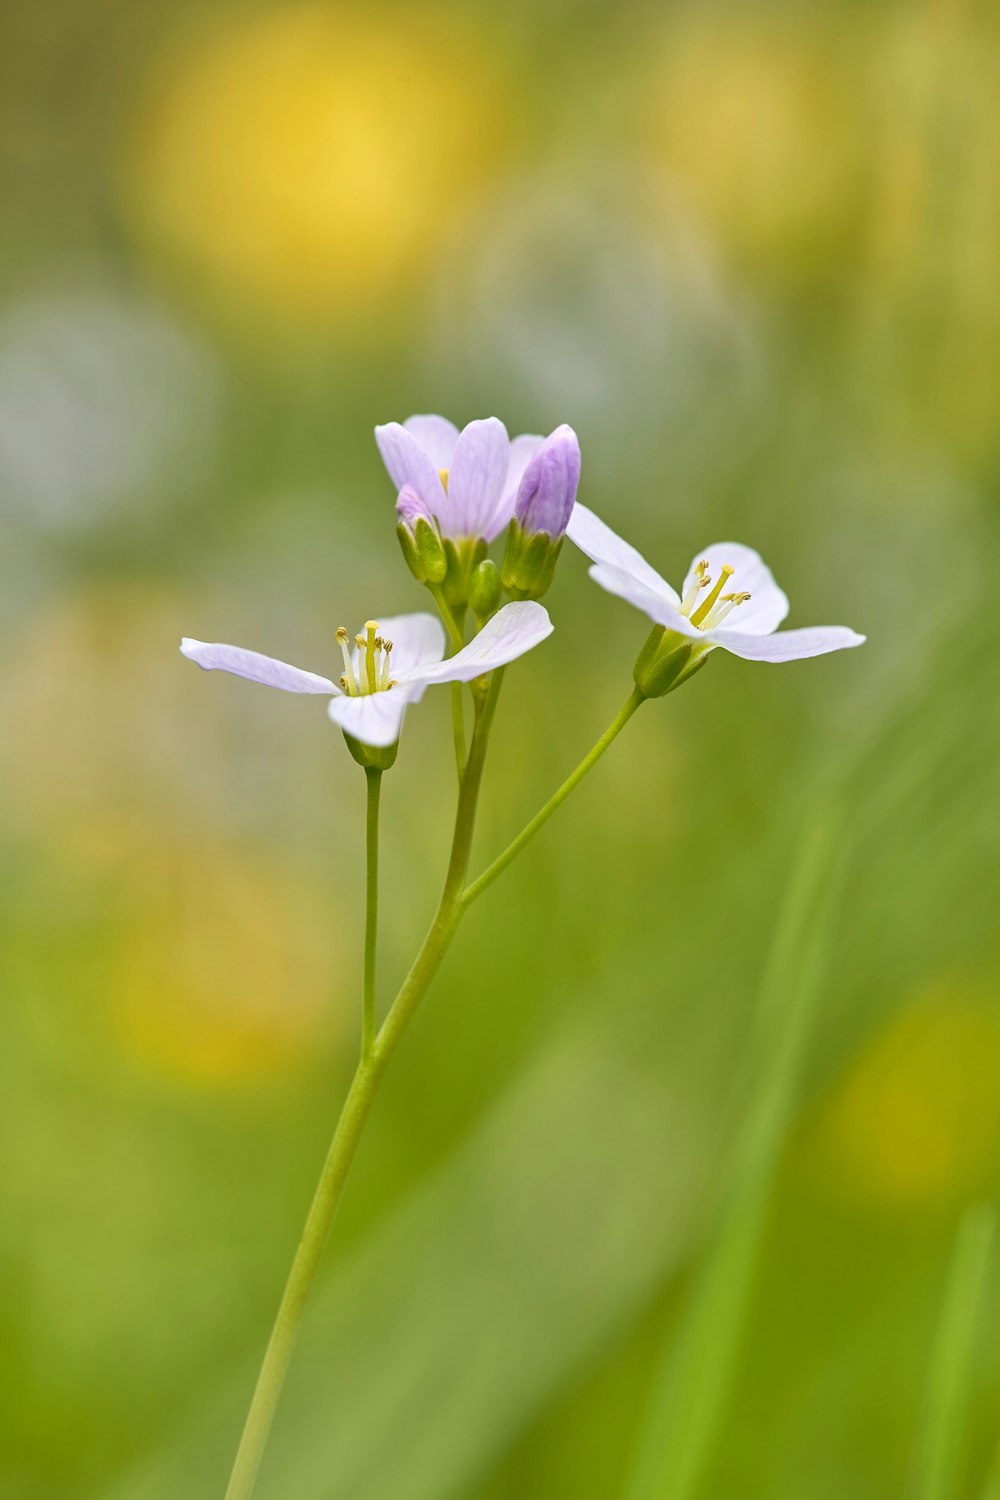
417	641
522	450
375	719
410	506
767	605
785	645
437	436
547	492
512	631
661	610
476	478
408	463
602	545
250	664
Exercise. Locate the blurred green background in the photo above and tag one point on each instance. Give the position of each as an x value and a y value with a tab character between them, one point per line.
662	1193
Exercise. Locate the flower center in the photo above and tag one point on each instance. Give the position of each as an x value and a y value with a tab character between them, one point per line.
716	605
443	476
369	672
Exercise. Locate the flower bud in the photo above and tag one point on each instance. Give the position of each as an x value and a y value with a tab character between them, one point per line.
419	537
547	492
666	660
484	589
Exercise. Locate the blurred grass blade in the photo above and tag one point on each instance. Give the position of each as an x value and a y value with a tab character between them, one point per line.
690	1391
938	1459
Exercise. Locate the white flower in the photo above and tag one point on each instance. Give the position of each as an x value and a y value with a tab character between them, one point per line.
729	598
391	665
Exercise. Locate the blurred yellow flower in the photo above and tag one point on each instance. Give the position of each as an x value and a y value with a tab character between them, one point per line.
918	1115
302	161
219	971
761	125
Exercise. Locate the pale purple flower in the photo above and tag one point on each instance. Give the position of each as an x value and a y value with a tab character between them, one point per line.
467	481
390	667
729	597
547	490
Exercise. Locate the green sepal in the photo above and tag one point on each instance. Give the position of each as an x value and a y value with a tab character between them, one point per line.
430	550
529	562
461	558
666	660
408	547
372	757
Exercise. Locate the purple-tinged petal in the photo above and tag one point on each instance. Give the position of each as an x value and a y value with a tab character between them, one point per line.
512	631
785	645
408	463
767	605
375	719
652	602
437	436
476	479
214	657
602	545
417	641
522	451
410	505
547	492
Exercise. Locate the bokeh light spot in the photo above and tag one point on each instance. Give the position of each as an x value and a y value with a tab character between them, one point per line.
918	1116
302	162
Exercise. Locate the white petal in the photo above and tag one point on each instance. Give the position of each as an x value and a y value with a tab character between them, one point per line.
661	610
375	719
437	436
407	463
417	640
767	605
213	656
602	545
476	478
785	645
512	631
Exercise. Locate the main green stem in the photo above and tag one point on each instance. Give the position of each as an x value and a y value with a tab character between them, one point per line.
374	779
358	1103
556	801
455	897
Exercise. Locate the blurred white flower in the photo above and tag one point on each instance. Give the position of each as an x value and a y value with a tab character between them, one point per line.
105	403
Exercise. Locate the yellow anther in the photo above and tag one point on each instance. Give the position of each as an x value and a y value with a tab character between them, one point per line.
342	635
699	615
443	476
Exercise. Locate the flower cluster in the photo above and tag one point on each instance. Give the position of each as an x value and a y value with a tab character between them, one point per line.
457	492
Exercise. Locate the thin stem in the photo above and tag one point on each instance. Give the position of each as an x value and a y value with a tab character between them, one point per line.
458	728
452	626
555	801
374	779
357	1106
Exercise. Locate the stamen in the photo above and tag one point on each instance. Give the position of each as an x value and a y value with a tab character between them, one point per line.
443	476
371	630
700	613
701	581
383	681
347	682
725	606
